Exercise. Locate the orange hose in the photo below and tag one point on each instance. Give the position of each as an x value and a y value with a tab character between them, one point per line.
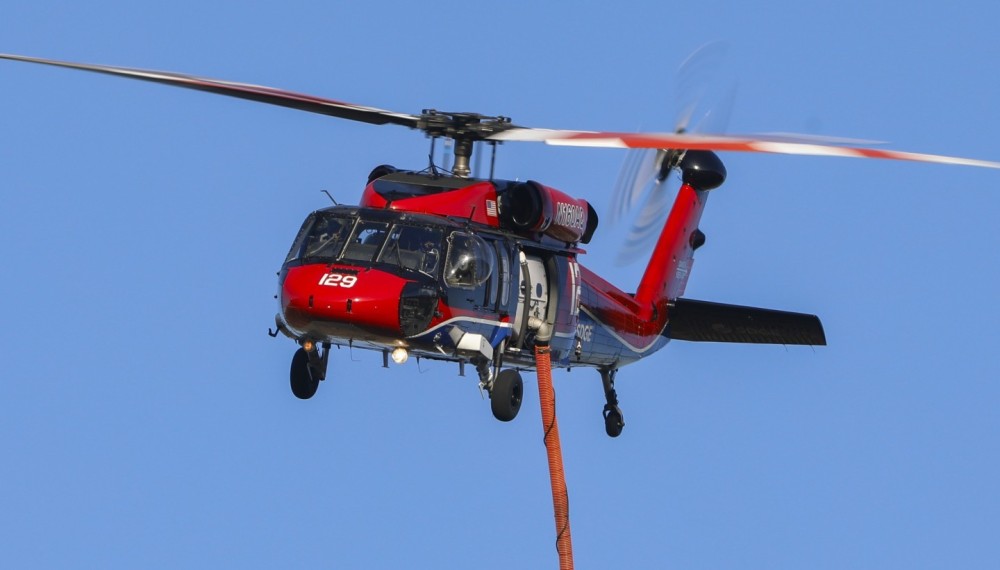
560	496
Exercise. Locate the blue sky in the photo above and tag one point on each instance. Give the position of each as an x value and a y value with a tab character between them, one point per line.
145	416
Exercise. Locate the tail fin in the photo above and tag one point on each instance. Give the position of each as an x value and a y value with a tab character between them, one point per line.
662	285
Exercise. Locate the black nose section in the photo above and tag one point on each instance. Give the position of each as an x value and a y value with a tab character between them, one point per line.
417	306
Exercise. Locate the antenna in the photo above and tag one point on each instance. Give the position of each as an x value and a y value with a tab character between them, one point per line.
330	197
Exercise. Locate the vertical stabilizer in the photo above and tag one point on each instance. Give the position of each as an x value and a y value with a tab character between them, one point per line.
670	264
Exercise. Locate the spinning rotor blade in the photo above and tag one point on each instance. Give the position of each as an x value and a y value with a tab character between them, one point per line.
469	127
780	144
243	91
636	174
705	90
646	226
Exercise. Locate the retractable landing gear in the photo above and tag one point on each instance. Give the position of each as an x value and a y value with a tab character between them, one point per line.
613	420
308	369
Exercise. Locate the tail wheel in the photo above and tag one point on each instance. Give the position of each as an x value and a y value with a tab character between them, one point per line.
505	398
303	382
613	421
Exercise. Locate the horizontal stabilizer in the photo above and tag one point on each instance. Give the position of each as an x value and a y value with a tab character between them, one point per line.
701	321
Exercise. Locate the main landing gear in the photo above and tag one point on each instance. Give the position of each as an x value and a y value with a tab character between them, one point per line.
308	369
613	420
506	395
505	387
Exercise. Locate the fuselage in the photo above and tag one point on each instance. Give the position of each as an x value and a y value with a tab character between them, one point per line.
446	273
374	305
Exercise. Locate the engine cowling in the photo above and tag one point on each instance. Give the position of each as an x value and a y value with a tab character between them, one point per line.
530	207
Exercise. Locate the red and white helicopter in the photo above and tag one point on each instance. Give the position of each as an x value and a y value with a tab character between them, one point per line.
440	265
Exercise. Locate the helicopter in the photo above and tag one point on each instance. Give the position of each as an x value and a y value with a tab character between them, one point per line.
440	265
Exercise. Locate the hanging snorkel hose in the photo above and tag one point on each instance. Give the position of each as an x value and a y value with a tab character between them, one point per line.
557	478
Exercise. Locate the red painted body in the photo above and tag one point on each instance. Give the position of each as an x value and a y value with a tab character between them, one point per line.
670	265
470	202
314	302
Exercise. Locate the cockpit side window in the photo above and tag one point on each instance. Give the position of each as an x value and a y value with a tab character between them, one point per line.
366	241
321	236
293	252
415	248
470	263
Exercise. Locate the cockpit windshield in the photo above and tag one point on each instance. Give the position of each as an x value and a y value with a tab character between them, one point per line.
329	236
366	241
414	247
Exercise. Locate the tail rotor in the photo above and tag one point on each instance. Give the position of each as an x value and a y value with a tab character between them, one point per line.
705	104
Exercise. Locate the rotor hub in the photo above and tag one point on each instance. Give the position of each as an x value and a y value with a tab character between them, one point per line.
471	127
463	128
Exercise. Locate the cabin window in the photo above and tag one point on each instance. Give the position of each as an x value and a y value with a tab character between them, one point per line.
470	261
366	241
415	248
492	292
504	269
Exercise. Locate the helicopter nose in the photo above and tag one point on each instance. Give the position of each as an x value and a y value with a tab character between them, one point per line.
348	302
326	300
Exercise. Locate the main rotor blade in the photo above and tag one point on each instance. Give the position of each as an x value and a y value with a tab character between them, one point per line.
781	144
243	91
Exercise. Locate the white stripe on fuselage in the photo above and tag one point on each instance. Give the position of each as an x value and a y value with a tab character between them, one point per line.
476	320
618	337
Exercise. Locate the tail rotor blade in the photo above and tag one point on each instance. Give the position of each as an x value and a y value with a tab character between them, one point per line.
698	79
646	226
644	174
636	172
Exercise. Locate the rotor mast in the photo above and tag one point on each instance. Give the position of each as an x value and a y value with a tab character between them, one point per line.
463	151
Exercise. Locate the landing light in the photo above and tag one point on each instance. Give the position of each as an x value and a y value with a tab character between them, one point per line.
308	345
399	355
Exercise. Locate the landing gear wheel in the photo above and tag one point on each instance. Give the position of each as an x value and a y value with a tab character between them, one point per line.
613	421
505	397
304	383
